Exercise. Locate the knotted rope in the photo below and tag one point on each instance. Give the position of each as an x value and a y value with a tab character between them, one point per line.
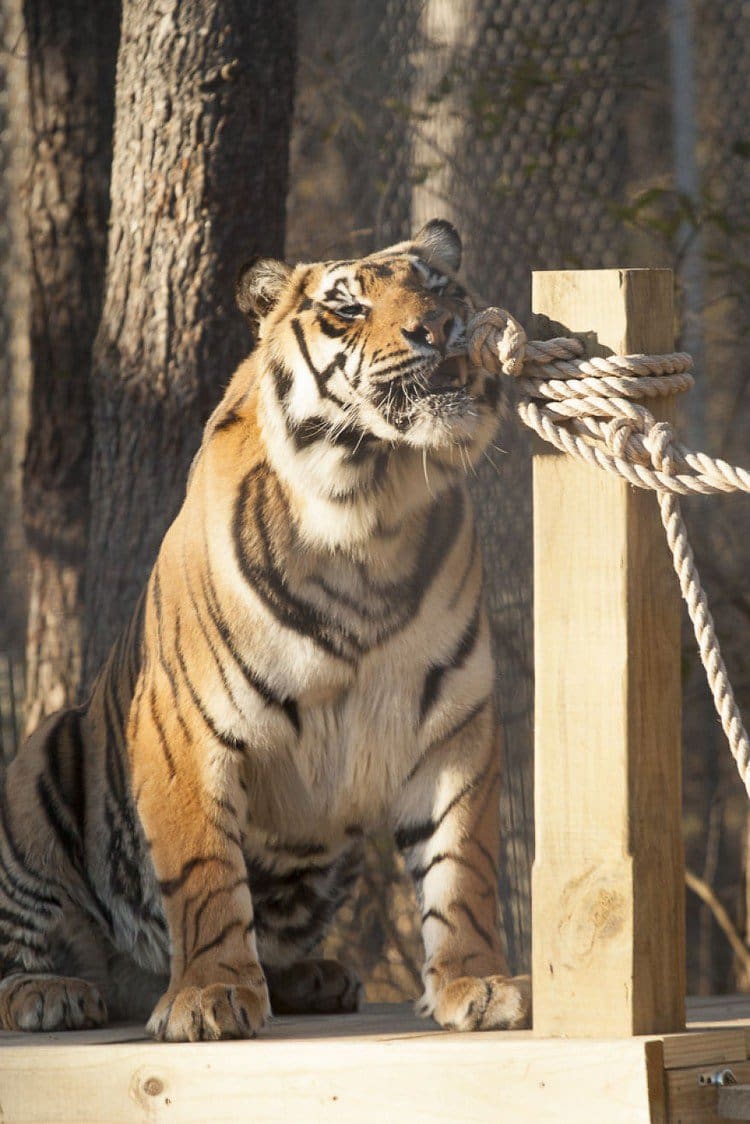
592	409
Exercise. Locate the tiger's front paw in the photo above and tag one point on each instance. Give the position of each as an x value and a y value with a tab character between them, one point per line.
480	1003
220	1010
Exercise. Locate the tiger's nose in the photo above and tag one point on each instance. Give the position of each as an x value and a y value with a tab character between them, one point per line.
431	330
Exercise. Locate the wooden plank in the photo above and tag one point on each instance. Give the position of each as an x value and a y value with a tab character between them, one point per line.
712	1011
656	1078
503	1078
380	1064
706	1011
715	1047
608	894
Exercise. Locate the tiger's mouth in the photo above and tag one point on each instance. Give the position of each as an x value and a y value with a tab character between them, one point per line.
435	397
449	376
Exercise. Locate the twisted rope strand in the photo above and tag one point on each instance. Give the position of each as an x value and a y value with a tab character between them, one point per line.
612	386
587	408
703	626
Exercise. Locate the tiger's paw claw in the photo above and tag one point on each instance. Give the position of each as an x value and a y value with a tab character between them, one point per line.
195	1014
480	1003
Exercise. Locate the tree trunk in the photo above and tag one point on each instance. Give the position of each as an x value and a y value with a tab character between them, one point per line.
199	180
71	53
443	30
14	379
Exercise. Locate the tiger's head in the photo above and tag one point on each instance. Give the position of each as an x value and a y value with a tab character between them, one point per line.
373	351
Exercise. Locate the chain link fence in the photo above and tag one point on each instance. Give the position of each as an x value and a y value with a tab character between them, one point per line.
545	131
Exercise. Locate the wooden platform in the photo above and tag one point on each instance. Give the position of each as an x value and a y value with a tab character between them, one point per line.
381	1065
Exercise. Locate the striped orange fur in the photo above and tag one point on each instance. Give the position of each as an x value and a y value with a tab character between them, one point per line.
309	662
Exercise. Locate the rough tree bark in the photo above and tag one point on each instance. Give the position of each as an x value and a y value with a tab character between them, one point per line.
444	28
71	50
13	389
199	180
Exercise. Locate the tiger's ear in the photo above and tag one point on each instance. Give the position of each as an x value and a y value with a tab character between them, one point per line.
442	241
259	285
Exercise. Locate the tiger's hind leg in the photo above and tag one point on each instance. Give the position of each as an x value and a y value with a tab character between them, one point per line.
313	987
449	832
33	996
90	978
39	985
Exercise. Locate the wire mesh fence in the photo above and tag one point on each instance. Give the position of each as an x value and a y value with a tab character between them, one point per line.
12	694
544	130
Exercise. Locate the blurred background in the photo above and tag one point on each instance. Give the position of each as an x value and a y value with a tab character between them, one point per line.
553	133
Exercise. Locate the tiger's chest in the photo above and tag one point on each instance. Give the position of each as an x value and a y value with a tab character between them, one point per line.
364	650
352	754
358	745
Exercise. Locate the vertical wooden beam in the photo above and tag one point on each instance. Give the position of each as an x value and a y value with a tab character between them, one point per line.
608	893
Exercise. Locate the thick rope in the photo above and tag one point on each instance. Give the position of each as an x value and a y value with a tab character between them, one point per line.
590	409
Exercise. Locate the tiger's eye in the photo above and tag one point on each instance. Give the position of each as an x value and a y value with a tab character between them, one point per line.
350	311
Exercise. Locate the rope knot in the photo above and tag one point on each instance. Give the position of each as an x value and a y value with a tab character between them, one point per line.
660	443
640	439
496	342
620	432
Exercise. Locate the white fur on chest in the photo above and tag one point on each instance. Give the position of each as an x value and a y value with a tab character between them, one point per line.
356	750
356	753
344	769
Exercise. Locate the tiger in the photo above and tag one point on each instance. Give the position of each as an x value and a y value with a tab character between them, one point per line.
309	663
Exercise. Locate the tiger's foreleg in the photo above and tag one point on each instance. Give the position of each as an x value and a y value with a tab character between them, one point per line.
216	988
449	831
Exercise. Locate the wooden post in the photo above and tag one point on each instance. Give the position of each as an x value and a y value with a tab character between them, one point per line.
608	881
